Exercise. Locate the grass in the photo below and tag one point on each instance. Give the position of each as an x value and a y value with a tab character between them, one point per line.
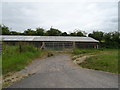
0	66
86	51
14	60
105	61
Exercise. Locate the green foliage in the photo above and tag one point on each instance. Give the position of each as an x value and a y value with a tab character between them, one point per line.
111	39
64	34
26	47
73	34
98	35
40	31
81	33
13	60
107	40
29	32
5	30
106	61
50	54
53	32
14	33
78	51
0	65
83	51
78	33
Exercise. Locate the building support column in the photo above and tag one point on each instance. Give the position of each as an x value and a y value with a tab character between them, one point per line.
73	44
43	45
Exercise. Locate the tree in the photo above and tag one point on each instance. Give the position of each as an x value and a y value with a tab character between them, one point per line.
14	33
115	36
107	40
81	33
98	35
5	30
64	34
112	39
29	32
108	37
53	32
73	34
40	31
78	32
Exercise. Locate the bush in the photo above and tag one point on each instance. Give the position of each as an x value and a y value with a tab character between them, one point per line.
50	54
84	51
13	60
28	47
78	51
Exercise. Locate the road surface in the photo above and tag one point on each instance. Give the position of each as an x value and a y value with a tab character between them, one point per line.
60	72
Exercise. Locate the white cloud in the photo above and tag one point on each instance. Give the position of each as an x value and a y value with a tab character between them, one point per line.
60	1
65	16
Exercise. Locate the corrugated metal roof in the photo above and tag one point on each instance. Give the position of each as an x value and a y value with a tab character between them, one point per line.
47	38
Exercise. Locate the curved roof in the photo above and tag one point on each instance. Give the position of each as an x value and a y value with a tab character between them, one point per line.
47	38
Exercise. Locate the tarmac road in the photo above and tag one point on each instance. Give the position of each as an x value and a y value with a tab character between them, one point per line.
60	72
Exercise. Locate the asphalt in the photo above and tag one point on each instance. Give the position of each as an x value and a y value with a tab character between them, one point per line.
60	72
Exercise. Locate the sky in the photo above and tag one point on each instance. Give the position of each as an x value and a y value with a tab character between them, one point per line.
65	16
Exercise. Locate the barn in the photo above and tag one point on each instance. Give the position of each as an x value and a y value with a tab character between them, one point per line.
52	42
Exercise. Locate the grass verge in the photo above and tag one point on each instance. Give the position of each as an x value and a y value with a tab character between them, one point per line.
105	61
86	51
13	60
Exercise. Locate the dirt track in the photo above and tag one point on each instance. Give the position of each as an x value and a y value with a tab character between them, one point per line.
60	72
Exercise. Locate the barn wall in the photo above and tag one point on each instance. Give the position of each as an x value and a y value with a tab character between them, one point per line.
36	44
55	45
58	45
86	45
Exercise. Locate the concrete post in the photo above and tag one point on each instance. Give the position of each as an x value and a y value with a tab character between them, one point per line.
43	45
73	44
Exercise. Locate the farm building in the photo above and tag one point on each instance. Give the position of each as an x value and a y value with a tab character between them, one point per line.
52	42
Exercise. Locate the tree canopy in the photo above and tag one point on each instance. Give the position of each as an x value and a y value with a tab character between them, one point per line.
5	30
107	40
98	35
40	31
53	32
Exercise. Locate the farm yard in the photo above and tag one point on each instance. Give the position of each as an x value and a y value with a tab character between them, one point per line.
56	44
33	56
20	56
98	59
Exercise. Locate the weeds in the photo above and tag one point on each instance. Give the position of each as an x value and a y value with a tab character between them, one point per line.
84	51
106	61
13	60
50	54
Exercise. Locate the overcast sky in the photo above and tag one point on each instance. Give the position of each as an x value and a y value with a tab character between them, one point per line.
65	16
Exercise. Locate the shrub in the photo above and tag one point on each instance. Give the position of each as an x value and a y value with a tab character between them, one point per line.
50	54
13	60
83	51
